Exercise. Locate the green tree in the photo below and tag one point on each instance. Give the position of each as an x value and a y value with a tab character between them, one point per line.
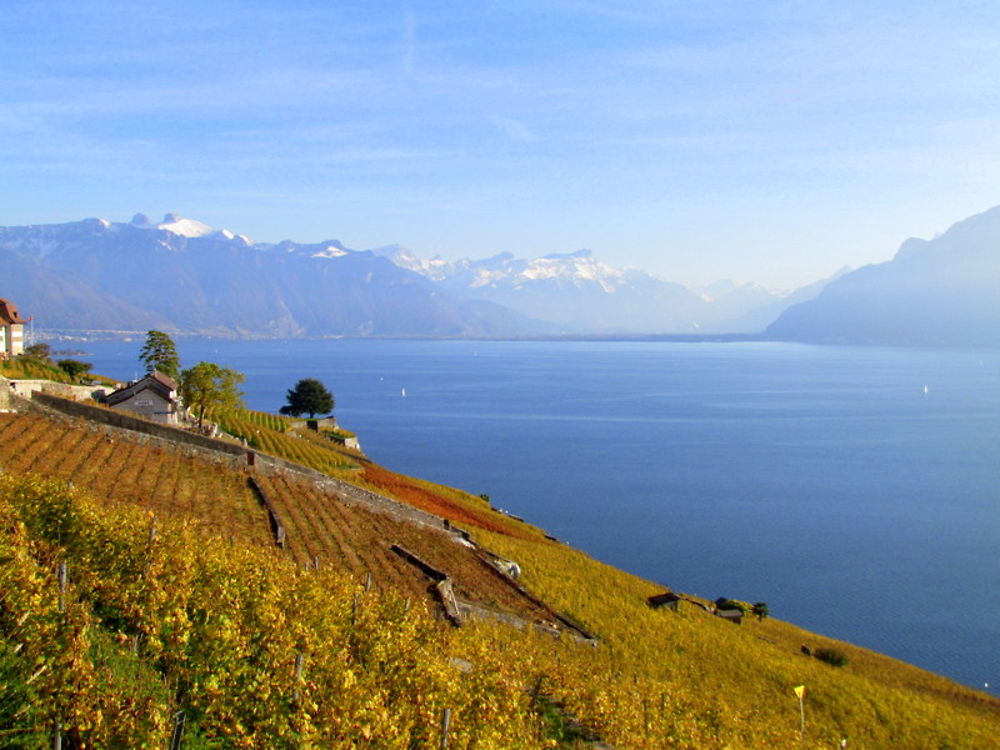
209	386
309	396
159	353
761	610
74	367
38	352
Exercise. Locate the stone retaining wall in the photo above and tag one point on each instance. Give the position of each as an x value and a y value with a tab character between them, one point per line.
25	388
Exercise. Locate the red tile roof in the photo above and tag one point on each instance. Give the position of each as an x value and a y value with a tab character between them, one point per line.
8	313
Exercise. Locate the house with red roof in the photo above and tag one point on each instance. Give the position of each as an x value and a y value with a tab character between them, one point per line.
11	330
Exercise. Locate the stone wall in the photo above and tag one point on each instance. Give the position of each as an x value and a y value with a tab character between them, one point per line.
6	403
24	389
132	423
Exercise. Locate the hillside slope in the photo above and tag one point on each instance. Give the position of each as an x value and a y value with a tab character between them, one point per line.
655	678
942	291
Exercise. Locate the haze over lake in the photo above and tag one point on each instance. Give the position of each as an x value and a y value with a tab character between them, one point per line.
853	489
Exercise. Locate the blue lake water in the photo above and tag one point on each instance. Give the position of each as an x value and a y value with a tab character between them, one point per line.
822	480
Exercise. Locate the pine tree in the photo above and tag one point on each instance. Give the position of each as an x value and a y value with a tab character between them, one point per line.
159	353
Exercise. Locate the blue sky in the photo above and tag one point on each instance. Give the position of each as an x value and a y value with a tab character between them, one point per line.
759	141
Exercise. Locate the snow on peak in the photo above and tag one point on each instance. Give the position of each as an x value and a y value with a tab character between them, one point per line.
330	251
577	267
184	227
435	269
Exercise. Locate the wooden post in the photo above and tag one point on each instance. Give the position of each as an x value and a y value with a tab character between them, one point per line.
315	562
62	575
300	660
445	726
368	581
177	737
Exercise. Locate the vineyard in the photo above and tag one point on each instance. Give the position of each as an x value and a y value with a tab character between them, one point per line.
121	631
267	433
120	470
355	540
271	434
702	682
320	526
179	595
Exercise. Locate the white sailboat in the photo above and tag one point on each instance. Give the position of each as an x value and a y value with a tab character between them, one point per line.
402	393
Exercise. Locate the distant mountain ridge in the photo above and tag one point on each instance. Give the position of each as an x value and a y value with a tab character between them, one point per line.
944	291
582	294
182	275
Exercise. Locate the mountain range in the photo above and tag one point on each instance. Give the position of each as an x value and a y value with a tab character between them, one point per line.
182	275
581	294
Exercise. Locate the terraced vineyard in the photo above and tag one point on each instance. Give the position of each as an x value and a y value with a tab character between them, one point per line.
357	540
120	470
269	433
218	499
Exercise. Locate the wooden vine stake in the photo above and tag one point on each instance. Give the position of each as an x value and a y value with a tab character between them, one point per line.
177	737
445	726
300	661
62	576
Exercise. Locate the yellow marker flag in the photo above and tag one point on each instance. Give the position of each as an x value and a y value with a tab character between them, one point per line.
800	691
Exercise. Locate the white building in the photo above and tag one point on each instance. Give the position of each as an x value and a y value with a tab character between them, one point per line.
11	330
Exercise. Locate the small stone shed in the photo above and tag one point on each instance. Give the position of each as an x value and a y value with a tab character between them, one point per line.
668	600
153	397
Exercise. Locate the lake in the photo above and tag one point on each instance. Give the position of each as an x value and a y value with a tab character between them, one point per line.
855	490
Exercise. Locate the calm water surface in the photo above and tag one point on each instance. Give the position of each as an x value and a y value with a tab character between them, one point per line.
822	480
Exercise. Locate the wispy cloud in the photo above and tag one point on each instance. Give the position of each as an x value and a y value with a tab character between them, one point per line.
516	130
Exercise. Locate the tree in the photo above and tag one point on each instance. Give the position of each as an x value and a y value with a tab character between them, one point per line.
761	610
209	386
309	396
159	353
39	353
74	367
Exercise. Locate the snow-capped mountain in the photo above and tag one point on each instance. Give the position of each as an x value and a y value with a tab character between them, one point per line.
183	275
581	293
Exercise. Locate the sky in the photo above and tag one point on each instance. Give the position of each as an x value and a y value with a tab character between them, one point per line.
771	142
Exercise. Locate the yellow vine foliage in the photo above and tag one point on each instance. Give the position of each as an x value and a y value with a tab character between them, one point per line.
158	621
195	616
662	679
